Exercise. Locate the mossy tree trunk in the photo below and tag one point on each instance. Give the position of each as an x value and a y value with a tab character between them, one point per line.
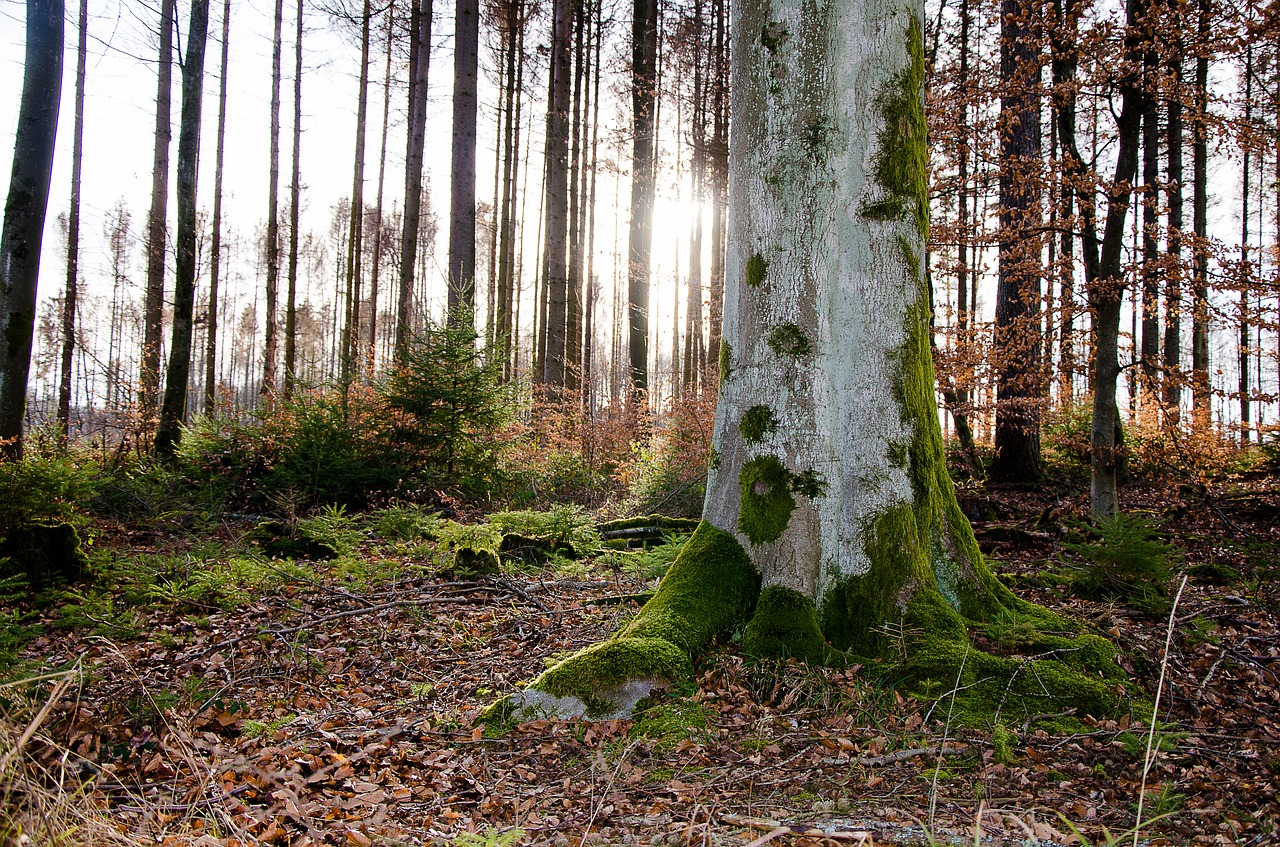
831	528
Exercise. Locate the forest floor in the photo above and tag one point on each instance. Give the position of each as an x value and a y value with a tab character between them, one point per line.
338	708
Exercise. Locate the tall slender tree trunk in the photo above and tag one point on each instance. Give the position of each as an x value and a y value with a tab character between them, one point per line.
157	224
1173	238
1017	338
1150	346
693	349
173	411
419	65
215	247
555	256
1201	399
462	204
71	298
1065	58
355	249
1246	266
1106	292
376	274
24	212
644	83
504	324
271	343
295	199
719	163
588	323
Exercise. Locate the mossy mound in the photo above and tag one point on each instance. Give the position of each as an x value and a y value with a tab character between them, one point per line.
710	587
45	553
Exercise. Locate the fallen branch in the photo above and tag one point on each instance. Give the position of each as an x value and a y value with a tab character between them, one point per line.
898	756
775	829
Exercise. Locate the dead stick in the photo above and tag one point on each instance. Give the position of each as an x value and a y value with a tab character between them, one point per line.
775	829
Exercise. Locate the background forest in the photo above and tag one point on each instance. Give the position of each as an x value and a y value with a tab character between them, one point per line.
374	361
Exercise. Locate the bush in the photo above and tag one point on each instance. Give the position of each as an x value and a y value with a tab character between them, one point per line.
668	474
453	403
1128	561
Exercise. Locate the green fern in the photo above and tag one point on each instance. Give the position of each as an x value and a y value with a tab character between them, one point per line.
489	838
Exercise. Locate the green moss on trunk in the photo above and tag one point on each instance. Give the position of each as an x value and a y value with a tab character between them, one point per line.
785	624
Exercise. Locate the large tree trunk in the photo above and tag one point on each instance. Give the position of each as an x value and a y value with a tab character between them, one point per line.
830	525
157	224
173	412
73	239
24	212
462	202
1017	332
215	247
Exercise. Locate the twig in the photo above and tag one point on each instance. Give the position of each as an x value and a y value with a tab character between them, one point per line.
1207	677
186	807
1147	758
897	756
775	829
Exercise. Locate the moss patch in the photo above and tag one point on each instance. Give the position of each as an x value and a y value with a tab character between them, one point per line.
789	340
810	483
902	158
767	503
710	587
757	267
725	360
785	624
757	422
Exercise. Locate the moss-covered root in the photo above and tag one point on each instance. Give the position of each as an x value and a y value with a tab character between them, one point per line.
709	588
785	624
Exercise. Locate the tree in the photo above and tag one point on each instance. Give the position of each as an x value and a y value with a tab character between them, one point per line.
157	220
271	344
1017	448
830	525
24	211
555	248
173	412
462	202
73	238
644	84
215	247
419	65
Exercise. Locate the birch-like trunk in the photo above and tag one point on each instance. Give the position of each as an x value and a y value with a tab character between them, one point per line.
830	523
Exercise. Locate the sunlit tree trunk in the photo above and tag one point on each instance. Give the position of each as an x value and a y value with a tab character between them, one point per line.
173	411
825	528
157	223
71	299
24	211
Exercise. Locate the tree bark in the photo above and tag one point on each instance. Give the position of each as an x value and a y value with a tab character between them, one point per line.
419	66
24	211
71	299
462	202
295	198
173	412
644	50
271	343
834	534
555	257
215	247
1017	333
1201	399
1106	291
157	224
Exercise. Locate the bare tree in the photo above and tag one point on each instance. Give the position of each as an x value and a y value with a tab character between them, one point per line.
71	299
